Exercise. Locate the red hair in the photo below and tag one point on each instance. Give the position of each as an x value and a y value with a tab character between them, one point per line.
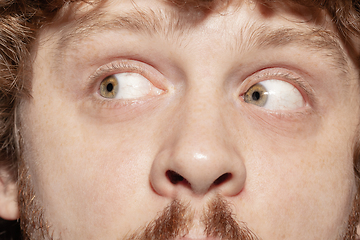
20	21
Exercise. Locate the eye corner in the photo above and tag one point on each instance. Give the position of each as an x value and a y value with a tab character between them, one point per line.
126	79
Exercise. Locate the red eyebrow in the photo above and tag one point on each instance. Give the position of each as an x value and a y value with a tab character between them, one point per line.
172	23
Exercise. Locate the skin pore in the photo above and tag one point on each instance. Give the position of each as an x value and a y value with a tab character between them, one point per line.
144	118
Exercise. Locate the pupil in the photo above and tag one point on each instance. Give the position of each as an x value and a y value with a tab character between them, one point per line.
110	87
256	96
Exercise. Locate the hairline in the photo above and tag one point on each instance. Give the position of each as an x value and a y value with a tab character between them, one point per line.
151	22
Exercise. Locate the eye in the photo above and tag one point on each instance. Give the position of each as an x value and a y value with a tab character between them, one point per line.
127	86
274	95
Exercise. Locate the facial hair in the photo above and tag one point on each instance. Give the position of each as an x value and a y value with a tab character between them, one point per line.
175	221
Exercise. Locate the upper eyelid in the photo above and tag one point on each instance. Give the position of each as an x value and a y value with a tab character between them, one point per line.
121	66
118	66
304	87
109	69
283	75
93	82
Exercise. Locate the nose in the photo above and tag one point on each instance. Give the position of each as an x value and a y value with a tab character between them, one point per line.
199	154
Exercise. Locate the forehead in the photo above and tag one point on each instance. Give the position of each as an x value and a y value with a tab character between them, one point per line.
240	24
166	12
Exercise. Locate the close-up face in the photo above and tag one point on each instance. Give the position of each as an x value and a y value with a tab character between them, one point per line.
147	121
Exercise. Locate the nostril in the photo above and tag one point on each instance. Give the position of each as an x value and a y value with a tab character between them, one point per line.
174	177
223	178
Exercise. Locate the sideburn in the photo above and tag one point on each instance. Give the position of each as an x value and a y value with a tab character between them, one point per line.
32	221
355	216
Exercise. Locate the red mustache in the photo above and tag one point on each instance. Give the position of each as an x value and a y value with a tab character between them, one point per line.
175	221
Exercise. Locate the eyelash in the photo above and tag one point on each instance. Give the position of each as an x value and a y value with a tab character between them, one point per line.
297	81
107	70
113	68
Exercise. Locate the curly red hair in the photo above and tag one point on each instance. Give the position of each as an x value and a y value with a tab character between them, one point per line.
20	20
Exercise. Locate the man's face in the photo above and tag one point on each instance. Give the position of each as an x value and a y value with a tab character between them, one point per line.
137	107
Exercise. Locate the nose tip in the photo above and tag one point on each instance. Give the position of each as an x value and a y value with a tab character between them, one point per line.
198	174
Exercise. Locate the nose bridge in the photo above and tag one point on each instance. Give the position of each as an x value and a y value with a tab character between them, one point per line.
199	155
201	122
202	144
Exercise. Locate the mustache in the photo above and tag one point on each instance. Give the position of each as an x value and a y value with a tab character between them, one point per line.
176	220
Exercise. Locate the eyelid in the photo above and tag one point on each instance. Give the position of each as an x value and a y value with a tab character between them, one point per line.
122	66
282	74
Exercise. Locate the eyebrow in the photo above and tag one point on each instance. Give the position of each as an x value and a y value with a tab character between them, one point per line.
139	21
317	40
176	24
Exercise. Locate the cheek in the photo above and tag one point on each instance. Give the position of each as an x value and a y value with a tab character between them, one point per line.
87	173
297	184
98	176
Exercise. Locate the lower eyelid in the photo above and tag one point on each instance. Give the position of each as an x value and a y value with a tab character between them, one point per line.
117	67
276	95
104	103
282	74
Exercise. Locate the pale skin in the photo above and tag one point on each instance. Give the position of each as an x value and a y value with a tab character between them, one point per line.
99	165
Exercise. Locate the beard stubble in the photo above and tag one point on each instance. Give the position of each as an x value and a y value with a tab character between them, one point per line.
175	220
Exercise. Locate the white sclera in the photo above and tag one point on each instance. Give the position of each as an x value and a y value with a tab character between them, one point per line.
282	95
132	86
